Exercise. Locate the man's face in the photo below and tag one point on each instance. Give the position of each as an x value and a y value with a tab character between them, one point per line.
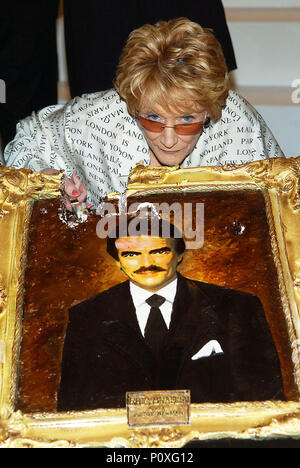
149	262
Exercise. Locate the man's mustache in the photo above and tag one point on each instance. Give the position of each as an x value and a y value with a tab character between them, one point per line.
150	268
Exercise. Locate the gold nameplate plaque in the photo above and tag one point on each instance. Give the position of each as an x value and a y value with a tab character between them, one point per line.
49	264
158	408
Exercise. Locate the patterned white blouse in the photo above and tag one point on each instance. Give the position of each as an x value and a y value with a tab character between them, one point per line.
94	136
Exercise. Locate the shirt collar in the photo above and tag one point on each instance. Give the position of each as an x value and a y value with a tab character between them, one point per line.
139	295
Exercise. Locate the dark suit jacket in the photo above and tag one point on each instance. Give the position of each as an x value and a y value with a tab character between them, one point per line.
105	354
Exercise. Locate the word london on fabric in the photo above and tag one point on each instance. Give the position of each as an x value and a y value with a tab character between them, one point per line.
188	219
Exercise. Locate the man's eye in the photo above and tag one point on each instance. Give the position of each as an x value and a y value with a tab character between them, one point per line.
162	251
129	254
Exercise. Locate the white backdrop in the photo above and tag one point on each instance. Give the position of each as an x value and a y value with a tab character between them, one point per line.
261	3
267	54
268	58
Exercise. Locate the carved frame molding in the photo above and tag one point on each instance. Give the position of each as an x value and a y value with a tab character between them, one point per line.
279	180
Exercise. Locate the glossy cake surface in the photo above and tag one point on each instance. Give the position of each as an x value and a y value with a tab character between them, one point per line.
68	265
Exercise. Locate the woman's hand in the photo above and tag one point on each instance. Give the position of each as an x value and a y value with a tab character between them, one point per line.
75	190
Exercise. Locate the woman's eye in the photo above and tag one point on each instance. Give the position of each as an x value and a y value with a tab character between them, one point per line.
187	118
153	117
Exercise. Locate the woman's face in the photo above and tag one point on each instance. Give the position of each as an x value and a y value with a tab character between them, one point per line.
168	148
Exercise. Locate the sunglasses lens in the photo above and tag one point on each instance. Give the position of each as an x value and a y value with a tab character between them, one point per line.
151	125
189	129
157	127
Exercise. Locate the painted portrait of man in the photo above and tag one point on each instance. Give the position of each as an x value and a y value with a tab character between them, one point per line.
162	331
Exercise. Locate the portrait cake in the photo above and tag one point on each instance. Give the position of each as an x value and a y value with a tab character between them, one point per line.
52	261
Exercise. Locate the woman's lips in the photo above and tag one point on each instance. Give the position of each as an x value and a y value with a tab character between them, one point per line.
170	152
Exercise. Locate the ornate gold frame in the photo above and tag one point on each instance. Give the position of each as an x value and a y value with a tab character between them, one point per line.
279	181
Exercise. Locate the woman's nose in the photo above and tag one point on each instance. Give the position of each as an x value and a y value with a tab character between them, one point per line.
169	137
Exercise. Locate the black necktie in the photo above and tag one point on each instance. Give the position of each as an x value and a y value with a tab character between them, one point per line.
156	328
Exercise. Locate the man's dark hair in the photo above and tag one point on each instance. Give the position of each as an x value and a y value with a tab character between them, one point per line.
144	226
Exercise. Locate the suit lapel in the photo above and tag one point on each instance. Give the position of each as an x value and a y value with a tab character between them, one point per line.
123	332
194	321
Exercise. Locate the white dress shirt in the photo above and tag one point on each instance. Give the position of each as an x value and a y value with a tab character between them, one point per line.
139	296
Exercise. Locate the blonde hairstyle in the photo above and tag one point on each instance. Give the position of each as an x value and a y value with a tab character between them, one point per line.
176	64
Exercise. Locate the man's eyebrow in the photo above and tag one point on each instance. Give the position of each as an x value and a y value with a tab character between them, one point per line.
128	252
161	250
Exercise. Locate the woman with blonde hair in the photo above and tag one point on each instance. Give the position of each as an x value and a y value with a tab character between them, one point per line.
171	105
174	71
